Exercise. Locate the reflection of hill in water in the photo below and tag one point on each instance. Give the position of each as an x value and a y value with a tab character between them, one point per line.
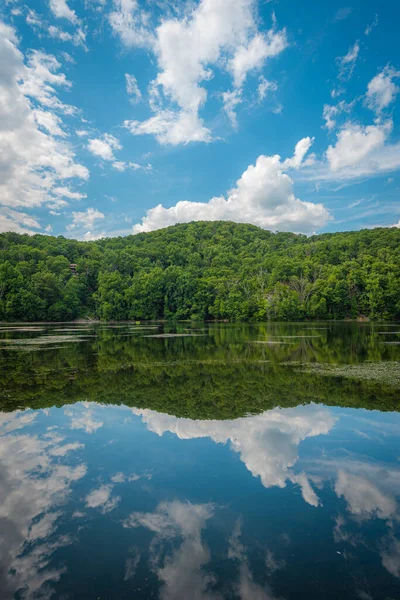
222	375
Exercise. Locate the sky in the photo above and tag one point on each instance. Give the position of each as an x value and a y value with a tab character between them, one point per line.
126	116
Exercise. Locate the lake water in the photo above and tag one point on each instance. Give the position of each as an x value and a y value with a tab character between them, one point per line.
252	462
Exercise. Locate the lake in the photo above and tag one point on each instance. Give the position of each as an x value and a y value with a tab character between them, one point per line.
201	461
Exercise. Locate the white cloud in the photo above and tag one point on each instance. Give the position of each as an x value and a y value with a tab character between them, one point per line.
262	196
230	101
347	62
132	88
372	26
104	147
215	33
32	161
78	37
382	90
101	498
171	127
12	220
121	165
331	113
253	55
49	121
86	219
130	23
264	87
355	142
61	10
267	443
82	132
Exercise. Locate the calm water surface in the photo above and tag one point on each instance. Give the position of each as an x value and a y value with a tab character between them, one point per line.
200	461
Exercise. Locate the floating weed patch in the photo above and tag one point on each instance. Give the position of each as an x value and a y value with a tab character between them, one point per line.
383	372
45	340
173	335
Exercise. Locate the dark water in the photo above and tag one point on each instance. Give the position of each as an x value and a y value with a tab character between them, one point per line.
216	461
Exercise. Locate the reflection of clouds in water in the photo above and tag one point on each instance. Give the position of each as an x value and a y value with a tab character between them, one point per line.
246	587
180	570
101	498
32	484
267	443
83	421
364	497
390	555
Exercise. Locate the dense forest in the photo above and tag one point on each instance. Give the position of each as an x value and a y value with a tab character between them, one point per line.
202	270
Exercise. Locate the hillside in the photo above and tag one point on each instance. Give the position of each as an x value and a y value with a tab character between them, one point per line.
202	270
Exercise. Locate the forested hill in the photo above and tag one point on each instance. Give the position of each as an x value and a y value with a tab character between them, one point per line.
202	270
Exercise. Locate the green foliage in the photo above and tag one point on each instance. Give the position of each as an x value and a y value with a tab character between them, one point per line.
203	270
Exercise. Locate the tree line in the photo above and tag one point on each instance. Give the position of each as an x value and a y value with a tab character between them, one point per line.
202	270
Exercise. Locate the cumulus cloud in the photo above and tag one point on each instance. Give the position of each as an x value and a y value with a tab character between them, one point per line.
382	90
214	34
34	158
130	24
253	55
121	165
355	142
104	147
263	196
85	219
61	10
267	443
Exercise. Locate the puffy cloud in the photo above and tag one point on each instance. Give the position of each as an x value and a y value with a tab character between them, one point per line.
130	23
355	142
216	33
382	90
61	10
253	55
170	127
104	147
132	88
34	158
85	219
262	196
267	443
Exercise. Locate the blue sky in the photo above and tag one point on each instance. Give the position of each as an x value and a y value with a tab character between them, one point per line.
119	116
